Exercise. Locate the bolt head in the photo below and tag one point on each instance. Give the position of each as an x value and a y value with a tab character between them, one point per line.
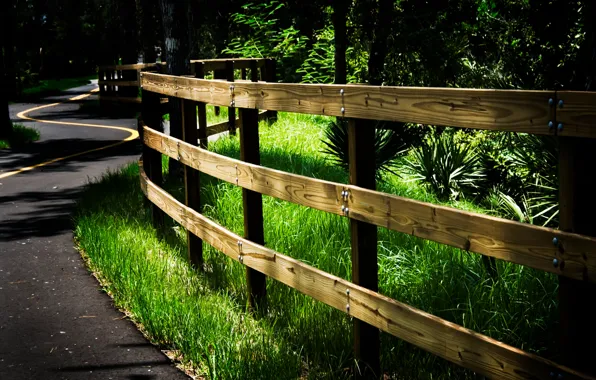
556	241
551	102
348	291
560	376
343	208
341	92
240	258
348	307
347	210
561	103
343	110
551	125
560	127
556	263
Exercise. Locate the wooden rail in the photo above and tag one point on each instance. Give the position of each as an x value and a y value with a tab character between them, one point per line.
520	243
438	336
120	84
567	254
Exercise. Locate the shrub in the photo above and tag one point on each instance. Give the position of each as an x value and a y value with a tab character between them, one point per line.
446	167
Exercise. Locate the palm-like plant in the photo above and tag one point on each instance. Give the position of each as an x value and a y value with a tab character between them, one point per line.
448	168
392	141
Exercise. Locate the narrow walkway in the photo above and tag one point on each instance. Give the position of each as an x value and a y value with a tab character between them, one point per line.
55	322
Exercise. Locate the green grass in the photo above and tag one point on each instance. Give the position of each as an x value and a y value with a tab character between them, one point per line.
49	87
21	135
202	315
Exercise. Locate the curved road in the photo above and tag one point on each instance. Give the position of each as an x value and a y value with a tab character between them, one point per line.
55	322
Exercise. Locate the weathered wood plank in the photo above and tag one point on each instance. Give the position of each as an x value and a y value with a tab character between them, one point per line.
505	110
363	238
577	115
442	338
516	242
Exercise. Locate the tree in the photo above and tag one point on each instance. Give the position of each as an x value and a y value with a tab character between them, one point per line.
174	15
5	123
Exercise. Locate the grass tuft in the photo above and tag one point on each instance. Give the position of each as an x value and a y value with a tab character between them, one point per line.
202	314
20	136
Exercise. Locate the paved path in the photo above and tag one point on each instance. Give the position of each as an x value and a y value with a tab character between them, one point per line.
55	322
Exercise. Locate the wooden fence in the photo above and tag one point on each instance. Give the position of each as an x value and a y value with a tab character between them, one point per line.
120	84
570	255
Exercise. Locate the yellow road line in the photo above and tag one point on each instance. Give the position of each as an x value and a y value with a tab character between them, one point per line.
22	115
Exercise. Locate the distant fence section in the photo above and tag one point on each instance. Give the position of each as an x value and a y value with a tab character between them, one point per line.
572	256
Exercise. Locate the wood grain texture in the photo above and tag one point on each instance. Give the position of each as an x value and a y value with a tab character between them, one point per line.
578	114
442	338
505	110
516	242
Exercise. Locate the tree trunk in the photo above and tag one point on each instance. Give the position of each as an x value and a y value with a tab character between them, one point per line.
378	51
174	16
340	9
149	28
10	82
5	124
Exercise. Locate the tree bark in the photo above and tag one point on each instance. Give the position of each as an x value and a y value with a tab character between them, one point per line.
340	9
174	15
378	51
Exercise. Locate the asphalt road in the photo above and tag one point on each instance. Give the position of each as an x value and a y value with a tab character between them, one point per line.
55	322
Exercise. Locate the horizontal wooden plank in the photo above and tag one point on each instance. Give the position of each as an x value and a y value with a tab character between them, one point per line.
120	83
442	338
120	99
505	110
577	114
519	243
134	66
220	63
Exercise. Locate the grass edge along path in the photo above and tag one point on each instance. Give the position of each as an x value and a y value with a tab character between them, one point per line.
21	135
202	315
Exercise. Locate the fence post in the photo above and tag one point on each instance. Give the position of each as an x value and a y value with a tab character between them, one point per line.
151	158
361	151
253	207
271	76
231	109
199	68
192	186
577	207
